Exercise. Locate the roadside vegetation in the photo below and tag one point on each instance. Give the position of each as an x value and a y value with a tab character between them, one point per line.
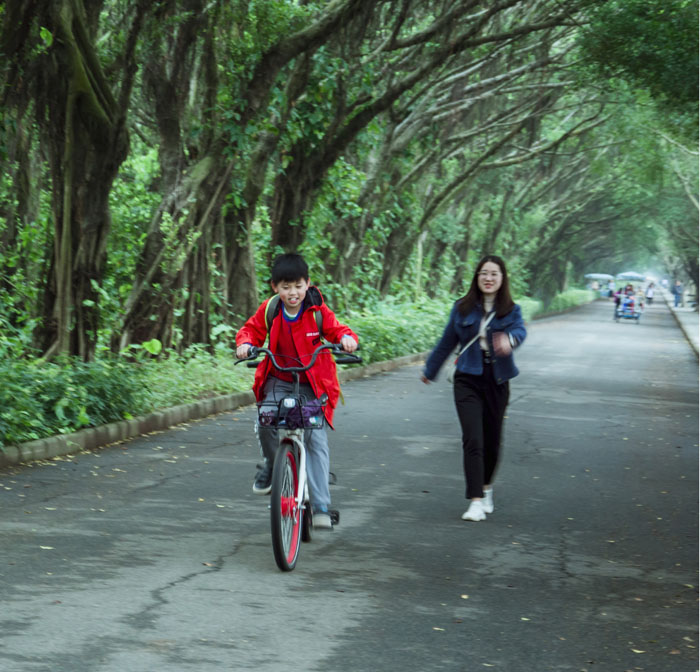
41	399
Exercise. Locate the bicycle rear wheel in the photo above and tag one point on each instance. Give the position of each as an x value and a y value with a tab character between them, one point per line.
285	514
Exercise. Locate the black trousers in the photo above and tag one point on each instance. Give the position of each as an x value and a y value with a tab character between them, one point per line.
481	404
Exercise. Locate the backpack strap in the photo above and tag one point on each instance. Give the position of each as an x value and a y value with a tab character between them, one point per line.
271	310
273	307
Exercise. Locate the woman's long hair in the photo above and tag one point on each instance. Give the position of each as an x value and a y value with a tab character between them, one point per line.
503	303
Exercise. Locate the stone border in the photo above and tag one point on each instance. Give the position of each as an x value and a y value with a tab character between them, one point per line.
679	321
113	432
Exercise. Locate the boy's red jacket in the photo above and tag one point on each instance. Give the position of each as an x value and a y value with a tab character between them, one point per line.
322	375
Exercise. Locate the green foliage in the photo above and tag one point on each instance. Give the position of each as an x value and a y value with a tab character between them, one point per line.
608	196
570	299
391	330
39	400
651	43
530	307
195	374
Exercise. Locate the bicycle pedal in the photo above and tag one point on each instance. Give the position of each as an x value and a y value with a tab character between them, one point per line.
335	516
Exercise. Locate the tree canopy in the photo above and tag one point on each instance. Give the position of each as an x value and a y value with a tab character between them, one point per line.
157	155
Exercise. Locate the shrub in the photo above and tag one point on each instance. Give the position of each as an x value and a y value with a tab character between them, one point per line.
529	307
390	330
570	299
195	374
38	400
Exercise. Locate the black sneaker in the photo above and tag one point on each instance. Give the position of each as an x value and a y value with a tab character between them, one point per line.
263	480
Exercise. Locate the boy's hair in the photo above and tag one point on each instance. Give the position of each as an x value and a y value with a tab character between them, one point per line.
289	268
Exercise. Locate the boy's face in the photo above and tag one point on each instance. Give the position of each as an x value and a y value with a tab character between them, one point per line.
292	293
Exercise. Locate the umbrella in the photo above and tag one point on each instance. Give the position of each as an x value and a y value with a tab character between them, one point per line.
598	276
631	276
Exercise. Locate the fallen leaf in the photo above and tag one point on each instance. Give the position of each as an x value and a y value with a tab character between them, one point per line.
46	548
638	651
439	629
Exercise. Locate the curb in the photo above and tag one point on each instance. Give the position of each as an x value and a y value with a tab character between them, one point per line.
114	432
679	322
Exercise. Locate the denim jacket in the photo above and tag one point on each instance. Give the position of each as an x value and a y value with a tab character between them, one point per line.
461	329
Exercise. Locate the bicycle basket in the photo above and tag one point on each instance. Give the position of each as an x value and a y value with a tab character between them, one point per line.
300	414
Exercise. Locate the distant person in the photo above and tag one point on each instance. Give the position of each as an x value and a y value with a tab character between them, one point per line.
677	292
650	294
611	288
491	325
616	300
595	286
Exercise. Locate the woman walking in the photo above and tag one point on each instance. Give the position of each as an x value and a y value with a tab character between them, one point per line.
491	326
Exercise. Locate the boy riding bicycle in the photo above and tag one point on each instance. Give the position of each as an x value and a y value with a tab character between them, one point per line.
296	325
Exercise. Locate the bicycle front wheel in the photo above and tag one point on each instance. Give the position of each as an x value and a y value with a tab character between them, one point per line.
285	514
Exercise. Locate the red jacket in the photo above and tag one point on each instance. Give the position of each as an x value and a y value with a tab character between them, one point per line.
323	375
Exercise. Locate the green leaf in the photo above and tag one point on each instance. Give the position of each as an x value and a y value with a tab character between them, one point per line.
46	36
154	346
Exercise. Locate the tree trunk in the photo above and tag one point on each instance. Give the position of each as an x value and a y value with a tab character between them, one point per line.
88	143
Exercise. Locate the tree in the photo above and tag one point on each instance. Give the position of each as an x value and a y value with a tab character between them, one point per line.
53	71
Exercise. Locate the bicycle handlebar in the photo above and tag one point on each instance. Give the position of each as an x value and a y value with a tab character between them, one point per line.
348	358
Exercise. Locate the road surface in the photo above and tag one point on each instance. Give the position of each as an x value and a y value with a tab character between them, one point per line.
155	554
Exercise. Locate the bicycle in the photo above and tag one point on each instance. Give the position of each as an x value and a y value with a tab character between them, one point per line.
291	517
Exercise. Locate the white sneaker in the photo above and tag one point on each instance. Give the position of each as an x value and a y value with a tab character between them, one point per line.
487	501
322	520
475	512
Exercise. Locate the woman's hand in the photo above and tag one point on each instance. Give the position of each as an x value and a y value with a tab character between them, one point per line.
501	344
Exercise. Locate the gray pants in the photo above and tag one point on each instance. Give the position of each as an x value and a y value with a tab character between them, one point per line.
315	440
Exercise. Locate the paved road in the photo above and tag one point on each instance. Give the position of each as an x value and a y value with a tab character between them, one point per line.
155	555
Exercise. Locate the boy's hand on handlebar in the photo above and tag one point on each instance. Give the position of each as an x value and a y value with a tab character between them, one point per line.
242	351
348	343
